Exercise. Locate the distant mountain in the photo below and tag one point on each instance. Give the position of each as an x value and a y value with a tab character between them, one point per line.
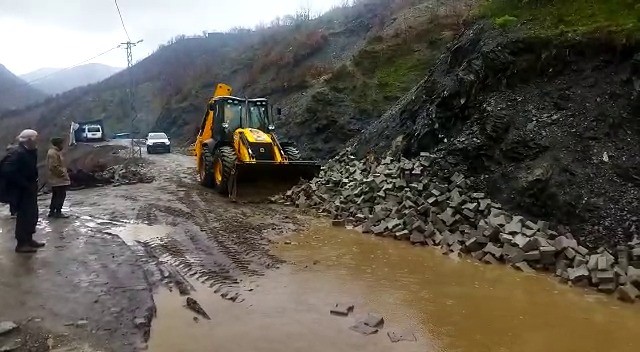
54	81
16	93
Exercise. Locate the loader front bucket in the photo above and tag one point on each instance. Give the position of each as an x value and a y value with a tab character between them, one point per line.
260	180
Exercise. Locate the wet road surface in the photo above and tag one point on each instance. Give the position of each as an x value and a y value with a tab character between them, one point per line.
131	254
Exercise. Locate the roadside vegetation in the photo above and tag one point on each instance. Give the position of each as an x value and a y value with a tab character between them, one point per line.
553	17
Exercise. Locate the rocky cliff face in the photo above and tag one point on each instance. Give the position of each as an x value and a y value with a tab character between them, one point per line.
545	126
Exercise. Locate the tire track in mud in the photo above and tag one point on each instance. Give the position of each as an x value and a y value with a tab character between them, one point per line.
225	249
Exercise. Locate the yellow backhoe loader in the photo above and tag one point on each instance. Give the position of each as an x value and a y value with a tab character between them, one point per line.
236	143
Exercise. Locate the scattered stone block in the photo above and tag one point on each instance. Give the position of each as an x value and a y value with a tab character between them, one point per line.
592	264
468	214
448	217
7	326
363	329
515	226
570	253
530	225
607	287
583	251
341	309
532	256
563	242
633	276
523	266
373	320
397	336
484	204
490	259
506	239
628	293
338	223
602	263
543	226
512	254
579	260
402	235
417	237
491	248
527	244
579	273
606	276
476	243
455	247
478	255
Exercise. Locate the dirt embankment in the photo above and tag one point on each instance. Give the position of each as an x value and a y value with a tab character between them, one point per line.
544	126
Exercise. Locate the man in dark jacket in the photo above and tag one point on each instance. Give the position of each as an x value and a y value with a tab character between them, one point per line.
12	204
21	172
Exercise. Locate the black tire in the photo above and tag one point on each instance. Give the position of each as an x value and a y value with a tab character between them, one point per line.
148	151
291	152
206	174
227	156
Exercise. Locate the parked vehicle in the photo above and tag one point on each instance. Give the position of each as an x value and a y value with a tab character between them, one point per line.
92	133
158	142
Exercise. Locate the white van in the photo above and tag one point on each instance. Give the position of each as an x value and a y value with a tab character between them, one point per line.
92	133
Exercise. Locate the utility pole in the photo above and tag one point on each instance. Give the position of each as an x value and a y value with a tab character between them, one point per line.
132	106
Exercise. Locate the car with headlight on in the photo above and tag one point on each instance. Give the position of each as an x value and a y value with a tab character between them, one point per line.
158	142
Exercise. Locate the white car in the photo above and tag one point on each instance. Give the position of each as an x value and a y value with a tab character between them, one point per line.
92	133
158	142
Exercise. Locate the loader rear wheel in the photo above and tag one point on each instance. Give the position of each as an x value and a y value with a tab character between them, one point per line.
224	163
291	152
206	169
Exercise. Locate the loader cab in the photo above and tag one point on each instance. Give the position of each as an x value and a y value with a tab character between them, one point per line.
230	113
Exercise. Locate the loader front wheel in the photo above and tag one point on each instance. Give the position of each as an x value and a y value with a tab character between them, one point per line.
224	163
291	152
206	169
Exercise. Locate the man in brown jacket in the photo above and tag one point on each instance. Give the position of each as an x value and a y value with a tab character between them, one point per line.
58	178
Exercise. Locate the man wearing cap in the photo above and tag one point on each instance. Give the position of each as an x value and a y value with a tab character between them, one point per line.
58	178
21	171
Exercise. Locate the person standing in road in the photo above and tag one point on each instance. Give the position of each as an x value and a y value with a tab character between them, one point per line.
21	172
58	178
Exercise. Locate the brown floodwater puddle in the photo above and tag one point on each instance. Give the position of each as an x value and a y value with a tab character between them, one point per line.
450	305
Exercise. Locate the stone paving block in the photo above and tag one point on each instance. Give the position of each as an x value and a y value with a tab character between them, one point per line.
524	267
468	214
515	226
633	276
456	247
437	238
397	336
417	237
525	243
498	221
373	320
512	254
532	256
478	255
562	242
579	260
570	253
602	263
475	244
490	259
491	248
448	217
578	273
338	223
583	251
543	226
506	239
606	276
529	232
484	204
402	235
363	329
530	225
607	287
592	264
627	293
7	326
341	309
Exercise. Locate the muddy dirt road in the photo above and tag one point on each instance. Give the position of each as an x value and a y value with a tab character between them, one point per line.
116	276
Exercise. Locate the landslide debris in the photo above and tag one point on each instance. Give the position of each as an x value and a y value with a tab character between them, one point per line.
428	202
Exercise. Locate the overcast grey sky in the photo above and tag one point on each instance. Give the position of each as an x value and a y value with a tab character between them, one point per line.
61	33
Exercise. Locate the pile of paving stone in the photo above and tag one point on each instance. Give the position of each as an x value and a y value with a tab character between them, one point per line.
417	201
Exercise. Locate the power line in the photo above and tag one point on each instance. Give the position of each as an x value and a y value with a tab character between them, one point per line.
121	20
